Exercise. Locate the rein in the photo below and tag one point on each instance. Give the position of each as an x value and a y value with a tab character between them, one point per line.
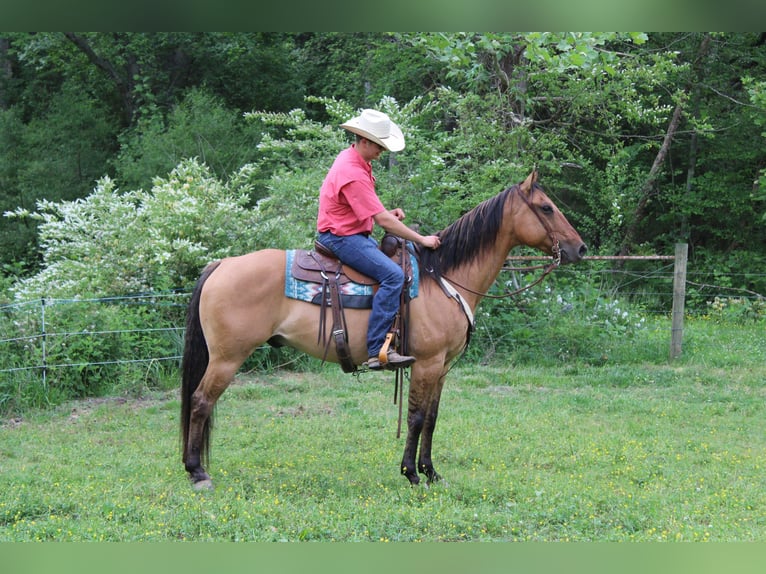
546	268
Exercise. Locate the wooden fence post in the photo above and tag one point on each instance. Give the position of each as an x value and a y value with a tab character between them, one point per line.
679	296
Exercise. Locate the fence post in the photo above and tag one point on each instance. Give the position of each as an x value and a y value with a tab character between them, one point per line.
679	296
45	350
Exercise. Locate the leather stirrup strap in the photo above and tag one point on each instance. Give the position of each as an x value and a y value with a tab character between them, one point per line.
339	335
322	333
398	326
339	329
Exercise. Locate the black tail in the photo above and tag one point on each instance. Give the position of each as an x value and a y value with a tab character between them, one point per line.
194	364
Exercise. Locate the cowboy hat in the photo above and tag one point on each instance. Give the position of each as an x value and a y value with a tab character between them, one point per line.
378	127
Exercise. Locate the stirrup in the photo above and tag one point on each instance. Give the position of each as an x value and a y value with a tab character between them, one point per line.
392	362
383	354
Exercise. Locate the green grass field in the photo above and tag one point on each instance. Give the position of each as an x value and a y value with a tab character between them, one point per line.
645	451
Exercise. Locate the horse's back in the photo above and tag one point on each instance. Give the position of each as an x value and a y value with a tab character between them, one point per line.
241	300
244	273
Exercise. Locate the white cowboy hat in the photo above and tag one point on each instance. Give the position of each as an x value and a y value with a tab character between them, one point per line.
378	127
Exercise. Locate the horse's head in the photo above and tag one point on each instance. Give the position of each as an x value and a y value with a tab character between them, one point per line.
543	226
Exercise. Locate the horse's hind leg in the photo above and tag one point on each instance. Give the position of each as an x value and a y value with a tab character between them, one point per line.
215	381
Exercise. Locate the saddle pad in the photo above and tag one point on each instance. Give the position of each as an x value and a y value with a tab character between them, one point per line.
354	295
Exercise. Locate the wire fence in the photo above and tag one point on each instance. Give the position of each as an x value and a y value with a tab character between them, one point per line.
86	340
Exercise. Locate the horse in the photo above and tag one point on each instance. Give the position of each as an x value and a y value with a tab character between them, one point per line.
238	304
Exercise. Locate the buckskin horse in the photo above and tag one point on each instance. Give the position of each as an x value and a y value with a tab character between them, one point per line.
239	303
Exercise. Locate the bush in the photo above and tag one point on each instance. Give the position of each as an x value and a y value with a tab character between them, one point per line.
114	243
737	310
555	322
59	350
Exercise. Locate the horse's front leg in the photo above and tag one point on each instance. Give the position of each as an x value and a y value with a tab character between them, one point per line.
425	464
417	407
415	417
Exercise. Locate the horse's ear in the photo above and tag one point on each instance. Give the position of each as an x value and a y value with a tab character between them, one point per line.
526	186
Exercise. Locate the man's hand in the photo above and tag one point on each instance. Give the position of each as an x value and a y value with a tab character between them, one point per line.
398	213
431	241
391	221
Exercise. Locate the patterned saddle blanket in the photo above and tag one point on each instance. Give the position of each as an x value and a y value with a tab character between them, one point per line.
304	279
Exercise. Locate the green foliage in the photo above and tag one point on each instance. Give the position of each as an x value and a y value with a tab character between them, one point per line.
557	322
362	67
113	243
247	69
757	93
73	139
60	349
200	126
735	274
737	310
588	108
78	107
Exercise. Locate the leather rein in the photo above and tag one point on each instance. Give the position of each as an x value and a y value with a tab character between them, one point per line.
546	268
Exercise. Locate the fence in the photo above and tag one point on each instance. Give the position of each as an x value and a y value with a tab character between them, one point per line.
85	337
75	335
680	260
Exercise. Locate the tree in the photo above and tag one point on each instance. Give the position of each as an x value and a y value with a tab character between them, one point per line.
80	106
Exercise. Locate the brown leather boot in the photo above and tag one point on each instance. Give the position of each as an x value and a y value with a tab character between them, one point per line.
394	361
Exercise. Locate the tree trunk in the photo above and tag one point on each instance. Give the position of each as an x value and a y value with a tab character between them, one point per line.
123	82
648	188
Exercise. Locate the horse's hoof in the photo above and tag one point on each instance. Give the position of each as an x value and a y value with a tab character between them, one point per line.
205	485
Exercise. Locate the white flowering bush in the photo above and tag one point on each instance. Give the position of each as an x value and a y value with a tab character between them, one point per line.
113	243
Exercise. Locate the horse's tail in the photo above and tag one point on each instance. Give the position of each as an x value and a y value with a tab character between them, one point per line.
194	364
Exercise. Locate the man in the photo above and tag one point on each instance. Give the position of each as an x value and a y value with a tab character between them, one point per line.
348	209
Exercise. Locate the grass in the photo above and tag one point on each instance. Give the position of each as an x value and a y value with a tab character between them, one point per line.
620	451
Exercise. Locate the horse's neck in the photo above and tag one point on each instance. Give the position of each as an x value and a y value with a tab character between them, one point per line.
476	278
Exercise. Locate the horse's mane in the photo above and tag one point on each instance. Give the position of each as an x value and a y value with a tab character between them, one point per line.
468	237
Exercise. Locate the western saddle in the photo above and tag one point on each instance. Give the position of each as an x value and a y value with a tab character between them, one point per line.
321	266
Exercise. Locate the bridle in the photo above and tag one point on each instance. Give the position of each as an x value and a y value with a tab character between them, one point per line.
546	268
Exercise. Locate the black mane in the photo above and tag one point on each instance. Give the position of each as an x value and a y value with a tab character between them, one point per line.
468	237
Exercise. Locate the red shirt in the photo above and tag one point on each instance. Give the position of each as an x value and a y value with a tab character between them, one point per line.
347	198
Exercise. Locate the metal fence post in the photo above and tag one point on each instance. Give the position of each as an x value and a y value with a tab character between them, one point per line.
679	297
43	339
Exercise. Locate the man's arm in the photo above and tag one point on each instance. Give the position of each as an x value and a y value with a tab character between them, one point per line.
390	222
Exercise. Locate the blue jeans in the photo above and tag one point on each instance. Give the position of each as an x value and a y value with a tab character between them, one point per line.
362	253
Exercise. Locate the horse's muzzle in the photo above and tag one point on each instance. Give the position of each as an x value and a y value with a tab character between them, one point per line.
572	253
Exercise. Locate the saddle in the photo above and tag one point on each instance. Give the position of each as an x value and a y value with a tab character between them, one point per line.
322	267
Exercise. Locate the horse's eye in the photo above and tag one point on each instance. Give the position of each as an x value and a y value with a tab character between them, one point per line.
547	209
